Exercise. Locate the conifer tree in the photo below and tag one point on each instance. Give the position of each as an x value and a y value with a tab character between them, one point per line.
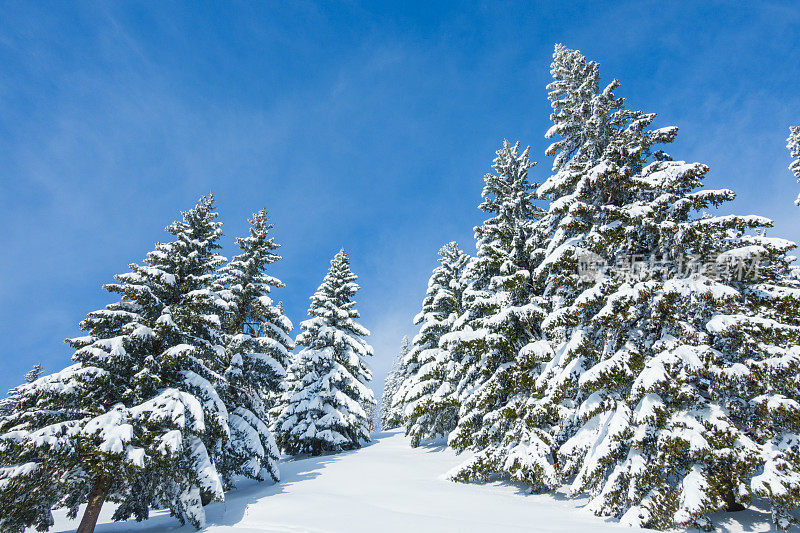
500	323
575	84
133	419
407	376
34	373
391	410
429	399
793	144
369	409
327	381
257	346
658	373
8	404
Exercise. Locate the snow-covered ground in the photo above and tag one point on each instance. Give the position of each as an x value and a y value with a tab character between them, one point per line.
385	487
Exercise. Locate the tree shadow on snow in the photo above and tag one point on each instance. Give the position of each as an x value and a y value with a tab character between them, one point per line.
754	518
378	436
435	445
230	512
293	470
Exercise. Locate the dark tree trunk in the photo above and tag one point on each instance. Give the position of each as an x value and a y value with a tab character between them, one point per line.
205	498
731	505
92	512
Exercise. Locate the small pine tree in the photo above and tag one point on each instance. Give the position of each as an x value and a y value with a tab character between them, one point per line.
430	403
370	409
575	84
133	419
391	407
327	381
8	404
257	346
34	373
793	144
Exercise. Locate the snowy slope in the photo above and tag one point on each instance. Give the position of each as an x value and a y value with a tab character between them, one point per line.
386	487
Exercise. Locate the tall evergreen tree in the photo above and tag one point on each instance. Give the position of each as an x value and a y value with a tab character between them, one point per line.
793	144
327	381
592	159
500	322
257	346
428	395
658	374
133	419
391	409
575	84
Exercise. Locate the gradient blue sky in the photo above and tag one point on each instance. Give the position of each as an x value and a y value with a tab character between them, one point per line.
358	125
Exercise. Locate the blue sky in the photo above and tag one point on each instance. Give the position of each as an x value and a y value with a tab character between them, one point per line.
367	126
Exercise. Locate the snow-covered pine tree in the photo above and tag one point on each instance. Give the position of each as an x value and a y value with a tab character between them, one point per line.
391	411
133	419
428	395
591	170
710	418
8	403
34	373
575	84
327	380
793	144
500	336
258	346
372	418
407	377
589	190
672	384
191	318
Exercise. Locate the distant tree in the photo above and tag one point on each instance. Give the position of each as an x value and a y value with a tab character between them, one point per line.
793	144
34	373
391	407
430	403
327	381
8	404
370	409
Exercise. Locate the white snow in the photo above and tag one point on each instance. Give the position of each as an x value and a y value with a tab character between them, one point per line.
386	487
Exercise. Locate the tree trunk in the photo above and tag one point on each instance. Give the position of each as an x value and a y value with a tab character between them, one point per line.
205	498
731	505
92	512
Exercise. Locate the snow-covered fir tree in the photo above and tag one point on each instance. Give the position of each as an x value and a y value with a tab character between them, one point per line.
392	412
372	416
428	394
258	344
323	408
406	378
133	420
793	144
587	178
659	374
575	84
34	373
499	333
7	404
